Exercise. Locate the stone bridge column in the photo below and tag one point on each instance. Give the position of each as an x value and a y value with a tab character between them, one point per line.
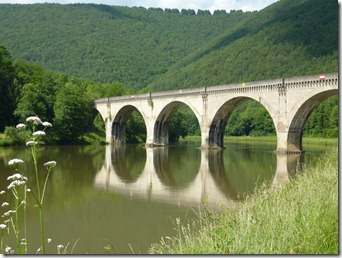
204	137
205	123
282	124
149	134
108	127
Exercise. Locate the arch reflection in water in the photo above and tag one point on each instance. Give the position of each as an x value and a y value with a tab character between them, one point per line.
192	176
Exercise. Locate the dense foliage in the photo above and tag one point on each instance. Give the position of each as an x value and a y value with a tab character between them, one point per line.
6	88
119	50
288	38
108	43
66	101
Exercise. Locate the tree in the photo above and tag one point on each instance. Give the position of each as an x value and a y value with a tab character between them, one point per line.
72	112
178	127
135	129
7	99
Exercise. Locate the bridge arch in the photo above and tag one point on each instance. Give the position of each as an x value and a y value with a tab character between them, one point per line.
299	115
221	117
120	122
161	124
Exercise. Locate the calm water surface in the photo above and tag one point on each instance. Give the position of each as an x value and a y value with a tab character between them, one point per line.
129	197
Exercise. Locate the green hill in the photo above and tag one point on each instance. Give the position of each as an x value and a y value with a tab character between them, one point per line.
172	49
108	43
288	38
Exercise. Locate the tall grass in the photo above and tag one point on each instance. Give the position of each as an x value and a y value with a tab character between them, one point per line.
301	217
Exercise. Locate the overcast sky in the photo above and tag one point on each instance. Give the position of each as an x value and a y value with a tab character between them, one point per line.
245	5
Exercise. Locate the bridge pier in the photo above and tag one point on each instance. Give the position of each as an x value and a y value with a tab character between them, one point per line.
108	127
288	141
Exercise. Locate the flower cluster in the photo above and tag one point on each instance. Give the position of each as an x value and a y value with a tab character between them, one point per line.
14	161
17	181
35	121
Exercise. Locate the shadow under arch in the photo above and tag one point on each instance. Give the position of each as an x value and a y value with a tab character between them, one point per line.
121	160
120	123
237	175
174	168
161	126
296	127
220	120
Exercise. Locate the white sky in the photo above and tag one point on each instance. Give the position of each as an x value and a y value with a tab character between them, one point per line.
245	5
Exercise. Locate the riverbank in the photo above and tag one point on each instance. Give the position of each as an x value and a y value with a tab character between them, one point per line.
269	139
299	218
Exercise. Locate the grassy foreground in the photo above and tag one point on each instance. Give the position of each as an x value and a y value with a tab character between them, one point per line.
301	217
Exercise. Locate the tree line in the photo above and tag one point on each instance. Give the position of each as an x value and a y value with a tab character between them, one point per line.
28	90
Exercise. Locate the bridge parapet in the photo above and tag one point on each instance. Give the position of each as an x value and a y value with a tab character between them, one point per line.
244	87
311	81
269	85
182	92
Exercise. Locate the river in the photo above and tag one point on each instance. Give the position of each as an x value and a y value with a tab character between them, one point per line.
102	199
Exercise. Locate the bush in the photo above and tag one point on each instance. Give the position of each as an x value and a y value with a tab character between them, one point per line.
16	137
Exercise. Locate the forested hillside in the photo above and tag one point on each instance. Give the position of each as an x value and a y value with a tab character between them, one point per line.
288	38
108	43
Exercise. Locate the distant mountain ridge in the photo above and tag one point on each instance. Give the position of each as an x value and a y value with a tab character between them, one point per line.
151	49
108	43
288	38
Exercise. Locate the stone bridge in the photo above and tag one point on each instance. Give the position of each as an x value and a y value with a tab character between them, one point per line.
289	102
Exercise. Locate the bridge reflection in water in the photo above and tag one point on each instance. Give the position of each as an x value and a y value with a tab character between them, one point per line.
151	175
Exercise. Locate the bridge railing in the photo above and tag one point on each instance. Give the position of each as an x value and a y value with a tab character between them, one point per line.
265	85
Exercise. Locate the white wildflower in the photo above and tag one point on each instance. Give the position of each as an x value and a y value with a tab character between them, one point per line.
15	161
2	192
19	126
6	214
5	204
50	164
15	177
28	190
31	143
10	186
47	124
3	226
34	119
9	250
49	240
39	133
16	183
